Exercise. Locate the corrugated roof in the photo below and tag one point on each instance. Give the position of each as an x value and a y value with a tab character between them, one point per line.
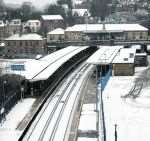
52	17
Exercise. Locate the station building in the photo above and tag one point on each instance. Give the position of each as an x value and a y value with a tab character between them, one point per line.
80	32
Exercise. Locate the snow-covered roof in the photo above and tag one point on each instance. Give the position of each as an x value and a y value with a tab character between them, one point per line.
33	21
108	27
125	55
104	55
81	12
57	31
1	23
30	36
52	17
148	47
77	2
46	66
136	47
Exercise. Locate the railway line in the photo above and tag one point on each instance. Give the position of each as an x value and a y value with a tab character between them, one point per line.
56	112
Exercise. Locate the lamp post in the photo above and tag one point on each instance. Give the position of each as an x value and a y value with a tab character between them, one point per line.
22	92
3	102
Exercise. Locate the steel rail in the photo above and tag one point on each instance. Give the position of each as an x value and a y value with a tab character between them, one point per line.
53	111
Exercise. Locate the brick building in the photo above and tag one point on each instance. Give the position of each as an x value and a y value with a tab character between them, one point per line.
51	22
34	25
25	44
14	26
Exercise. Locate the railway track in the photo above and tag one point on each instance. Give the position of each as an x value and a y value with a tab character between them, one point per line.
52	116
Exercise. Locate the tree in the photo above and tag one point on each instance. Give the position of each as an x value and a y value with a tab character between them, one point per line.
99	8
55	10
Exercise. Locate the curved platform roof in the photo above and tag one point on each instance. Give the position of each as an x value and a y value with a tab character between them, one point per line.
43	68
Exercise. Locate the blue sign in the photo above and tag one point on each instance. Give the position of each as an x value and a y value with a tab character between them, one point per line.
18	67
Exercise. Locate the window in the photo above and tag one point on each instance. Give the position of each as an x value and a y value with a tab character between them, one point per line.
20	43
141	35
26	43
37	43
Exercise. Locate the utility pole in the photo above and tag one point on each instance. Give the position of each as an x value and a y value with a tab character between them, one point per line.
115	132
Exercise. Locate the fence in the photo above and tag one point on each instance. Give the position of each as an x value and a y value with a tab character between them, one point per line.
7	102
104	79
102	84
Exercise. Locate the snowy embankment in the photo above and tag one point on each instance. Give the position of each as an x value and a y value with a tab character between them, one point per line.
8	129
132	116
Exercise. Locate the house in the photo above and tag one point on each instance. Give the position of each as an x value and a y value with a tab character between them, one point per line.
33	25
81	15
14	26
123	63
106	32
55	35
80	12
51	22
24	44
3	30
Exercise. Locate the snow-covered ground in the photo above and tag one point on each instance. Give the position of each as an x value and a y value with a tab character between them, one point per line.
8	129
132	116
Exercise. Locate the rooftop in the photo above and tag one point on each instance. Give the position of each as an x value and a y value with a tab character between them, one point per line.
125	55
31	36
52	17
57	31
33	21
104	55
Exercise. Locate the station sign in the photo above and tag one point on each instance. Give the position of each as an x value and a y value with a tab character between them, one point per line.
18	67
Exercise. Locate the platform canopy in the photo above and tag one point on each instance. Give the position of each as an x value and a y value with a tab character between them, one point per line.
104	55
43	68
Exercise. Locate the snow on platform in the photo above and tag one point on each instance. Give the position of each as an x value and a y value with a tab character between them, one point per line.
89	107
8	129
132	116
87	122
86	139
88	119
